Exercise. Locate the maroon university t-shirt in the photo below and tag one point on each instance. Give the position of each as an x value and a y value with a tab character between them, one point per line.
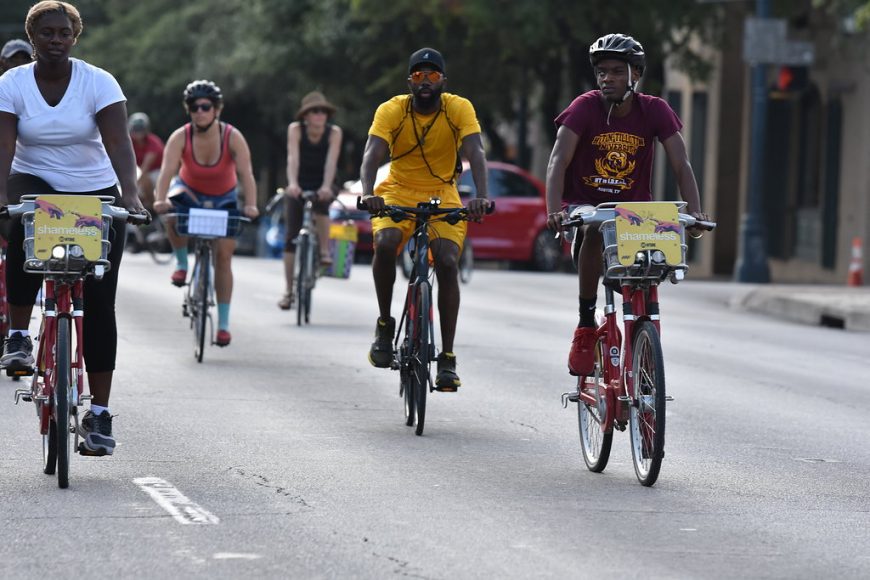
614	162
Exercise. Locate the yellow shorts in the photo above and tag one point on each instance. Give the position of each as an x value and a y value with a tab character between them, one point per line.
395	194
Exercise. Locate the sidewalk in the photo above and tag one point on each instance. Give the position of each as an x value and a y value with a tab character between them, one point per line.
835	306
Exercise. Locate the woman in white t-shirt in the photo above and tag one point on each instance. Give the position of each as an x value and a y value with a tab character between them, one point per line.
63	129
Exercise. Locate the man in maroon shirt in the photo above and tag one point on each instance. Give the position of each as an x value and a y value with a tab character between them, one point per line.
604	152
148	148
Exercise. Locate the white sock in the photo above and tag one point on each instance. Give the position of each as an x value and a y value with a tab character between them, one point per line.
98	410
23	332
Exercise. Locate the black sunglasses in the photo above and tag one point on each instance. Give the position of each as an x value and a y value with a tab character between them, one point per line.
206	107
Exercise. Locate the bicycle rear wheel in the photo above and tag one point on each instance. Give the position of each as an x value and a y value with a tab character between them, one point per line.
595	441
647	412
421	354
63	401
302	273
200	301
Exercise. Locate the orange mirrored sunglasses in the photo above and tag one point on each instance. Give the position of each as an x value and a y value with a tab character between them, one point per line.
433	76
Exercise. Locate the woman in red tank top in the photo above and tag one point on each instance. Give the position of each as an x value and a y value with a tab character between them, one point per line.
210	158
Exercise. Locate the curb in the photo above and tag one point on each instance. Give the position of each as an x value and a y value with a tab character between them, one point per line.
835	307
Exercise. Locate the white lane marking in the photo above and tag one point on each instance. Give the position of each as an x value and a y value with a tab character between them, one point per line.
235	556
174	502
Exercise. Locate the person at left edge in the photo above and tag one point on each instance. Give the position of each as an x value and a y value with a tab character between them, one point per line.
14	53
63	129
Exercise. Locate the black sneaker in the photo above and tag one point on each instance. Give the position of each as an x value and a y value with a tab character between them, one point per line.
447	380
17	352
96	430
381	353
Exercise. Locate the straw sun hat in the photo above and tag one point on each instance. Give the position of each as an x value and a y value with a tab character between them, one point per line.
314	100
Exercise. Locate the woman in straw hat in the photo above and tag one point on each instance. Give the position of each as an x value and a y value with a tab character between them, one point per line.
313	145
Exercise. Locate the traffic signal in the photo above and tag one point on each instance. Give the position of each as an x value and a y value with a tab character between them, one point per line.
792	79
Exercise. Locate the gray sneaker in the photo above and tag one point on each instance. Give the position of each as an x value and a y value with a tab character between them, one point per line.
96	430
17	352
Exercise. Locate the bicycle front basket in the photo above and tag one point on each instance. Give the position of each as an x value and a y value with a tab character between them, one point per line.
208	223
647	266
72	260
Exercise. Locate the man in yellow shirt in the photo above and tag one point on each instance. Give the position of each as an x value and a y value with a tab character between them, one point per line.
424	132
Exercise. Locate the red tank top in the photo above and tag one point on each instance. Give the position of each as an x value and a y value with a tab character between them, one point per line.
216	179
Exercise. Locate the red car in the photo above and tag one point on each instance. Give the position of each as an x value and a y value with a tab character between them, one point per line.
516	231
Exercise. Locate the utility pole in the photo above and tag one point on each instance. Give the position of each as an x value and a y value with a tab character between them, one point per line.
752	261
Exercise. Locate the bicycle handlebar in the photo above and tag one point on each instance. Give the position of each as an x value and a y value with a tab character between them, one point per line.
602	214
119	213
398	213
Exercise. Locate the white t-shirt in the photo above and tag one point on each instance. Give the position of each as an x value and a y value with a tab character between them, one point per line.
62	144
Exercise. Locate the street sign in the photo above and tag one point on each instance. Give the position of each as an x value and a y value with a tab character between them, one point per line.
765	42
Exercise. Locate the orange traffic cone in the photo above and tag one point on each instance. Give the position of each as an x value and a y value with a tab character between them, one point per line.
856	264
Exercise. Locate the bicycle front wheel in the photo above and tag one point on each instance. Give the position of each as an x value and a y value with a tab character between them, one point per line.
647	412
157	242
303	249
421	354
466	262
596	439
200	300
406	389
62	396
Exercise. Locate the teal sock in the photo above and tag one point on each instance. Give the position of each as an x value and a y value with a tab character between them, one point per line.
223	316
181	258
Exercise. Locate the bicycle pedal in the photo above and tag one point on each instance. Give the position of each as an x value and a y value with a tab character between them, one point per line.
571	397
88	453
19	371
23	395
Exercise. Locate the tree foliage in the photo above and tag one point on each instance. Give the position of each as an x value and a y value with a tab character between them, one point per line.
513	59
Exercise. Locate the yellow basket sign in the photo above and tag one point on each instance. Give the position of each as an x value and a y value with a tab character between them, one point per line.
648	226
346	232
68	219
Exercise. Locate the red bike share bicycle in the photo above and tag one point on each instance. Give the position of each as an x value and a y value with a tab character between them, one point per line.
66	239
644	245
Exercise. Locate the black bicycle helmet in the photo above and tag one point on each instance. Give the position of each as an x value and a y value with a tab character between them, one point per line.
203	89
618	46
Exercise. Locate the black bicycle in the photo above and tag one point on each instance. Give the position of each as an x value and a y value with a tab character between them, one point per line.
414	350
204	226
151	238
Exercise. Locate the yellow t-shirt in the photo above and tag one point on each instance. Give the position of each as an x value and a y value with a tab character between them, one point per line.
440	133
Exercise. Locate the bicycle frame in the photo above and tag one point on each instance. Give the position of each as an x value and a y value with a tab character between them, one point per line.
62	298
418	279
639	303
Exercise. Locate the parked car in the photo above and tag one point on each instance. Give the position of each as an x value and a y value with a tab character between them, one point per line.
517	231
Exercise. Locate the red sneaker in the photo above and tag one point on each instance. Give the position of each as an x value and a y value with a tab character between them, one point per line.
581	359
223	338
179	277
